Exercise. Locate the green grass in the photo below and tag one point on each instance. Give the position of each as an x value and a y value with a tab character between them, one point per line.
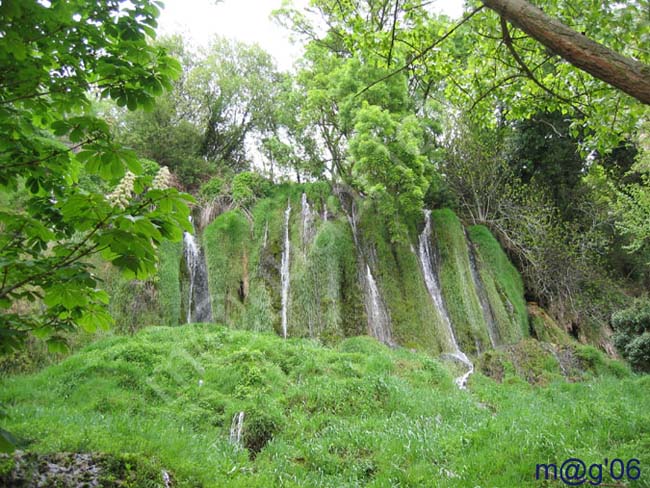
359	414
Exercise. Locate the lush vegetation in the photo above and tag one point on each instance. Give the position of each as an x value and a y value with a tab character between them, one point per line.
357	414
309	194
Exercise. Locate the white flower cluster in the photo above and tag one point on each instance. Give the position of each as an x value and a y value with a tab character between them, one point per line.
120	196
162	179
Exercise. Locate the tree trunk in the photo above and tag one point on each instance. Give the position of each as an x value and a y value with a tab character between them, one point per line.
626	74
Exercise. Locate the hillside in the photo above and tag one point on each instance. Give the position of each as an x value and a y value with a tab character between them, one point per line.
358	414
417	257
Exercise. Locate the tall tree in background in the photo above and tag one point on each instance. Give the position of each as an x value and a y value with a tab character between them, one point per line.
236	85
222	105
170	132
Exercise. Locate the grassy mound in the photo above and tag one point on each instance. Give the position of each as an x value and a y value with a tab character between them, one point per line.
359	414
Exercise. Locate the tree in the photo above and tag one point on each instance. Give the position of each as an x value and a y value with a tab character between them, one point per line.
542	149
484	67
389	164
235	84
223	103
170	132
55	57
626	74
476	170
633	202
632	334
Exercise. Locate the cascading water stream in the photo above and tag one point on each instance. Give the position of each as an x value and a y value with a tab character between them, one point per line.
426	258
284	269
378	319
199	306
266	235
307	217
379	323
236	428
191	251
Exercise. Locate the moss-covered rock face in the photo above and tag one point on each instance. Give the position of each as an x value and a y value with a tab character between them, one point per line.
457	283
540	363
544	328
328	286
503	286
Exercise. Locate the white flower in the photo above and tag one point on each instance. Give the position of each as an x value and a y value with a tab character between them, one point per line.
120	196
162	179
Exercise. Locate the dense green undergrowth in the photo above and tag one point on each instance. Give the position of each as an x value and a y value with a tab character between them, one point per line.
359	414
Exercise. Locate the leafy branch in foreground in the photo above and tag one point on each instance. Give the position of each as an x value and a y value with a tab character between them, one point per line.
58	162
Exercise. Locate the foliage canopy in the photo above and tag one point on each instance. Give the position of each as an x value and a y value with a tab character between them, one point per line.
59	162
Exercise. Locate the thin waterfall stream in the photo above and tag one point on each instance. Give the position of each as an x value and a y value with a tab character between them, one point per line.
378	319
284	269
236	428
426	258
379	322
199	306
307	217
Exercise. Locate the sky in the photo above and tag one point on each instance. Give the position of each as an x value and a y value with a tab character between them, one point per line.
247	21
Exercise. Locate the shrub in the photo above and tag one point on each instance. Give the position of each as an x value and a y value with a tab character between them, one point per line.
248	187
211	188
632	335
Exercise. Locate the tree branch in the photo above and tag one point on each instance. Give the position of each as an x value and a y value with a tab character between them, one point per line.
626	74
507	40
392	34
423	53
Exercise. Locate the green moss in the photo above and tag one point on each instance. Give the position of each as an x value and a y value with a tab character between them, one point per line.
326	300
226	246
457	282
503	284
415	322
544	328
168	280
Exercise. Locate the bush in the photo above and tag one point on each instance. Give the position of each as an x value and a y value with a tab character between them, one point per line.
211	188
632	335
260	425
248	187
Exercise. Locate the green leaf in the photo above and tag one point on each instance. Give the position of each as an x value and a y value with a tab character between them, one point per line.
57	344
8	442
66	295
95	317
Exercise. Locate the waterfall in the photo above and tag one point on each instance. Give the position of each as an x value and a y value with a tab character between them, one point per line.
236	428
379	324
378	319
307	221
493	332
199	307
191	251
426	258
266	234
284	271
